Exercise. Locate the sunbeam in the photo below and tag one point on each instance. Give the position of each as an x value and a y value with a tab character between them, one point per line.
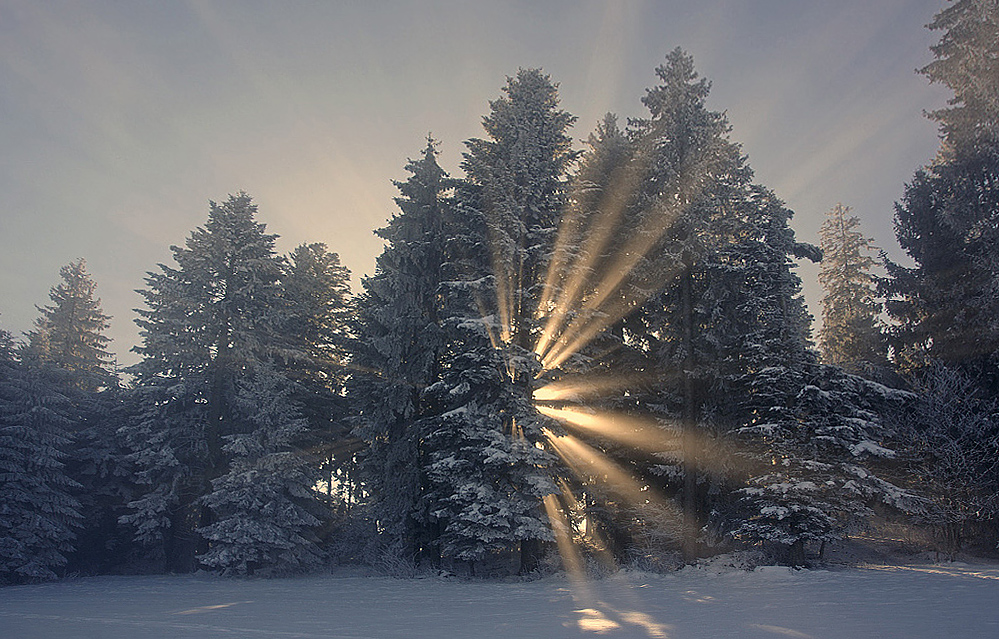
587	461
638	433
580	389
610	211
572	558
609	300
651	436
592	466
596	298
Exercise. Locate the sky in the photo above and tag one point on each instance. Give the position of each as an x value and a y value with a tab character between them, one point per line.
119	121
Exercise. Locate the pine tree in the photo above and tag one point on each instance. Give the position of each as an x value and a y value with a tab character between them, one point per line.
592	237
721	332
316	290
489	469
813	448
945	306
967	62
695	201
99	461
397	356
38	512
265	512
69	339
951	431
70	331
850	336
211	324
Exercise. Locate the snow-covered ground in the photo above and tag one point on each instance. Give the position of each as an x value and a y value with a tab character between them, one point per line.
934	600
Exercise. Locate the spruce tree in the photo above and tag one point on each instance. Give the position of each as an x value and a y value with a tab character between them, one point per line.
397	357
69	340
39	514
70	332
265	512
212	323
951	431
967	62
489	467
850	336
687	199
945	306
718	332
592	237
319	308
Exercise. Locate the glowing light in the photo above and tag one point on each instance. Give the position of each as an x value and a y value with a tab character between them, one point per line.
572	559
609	303
592	620
631	431
650	436
587	461
599	235
596	306
653	629
580	389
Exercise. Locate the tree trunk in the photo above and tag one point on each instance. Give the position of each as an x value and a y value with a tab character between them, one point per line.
796	554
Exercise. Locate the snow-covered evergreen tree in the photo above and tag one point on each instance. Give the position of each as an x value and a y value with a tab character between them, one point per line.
489	467
850	336
946	306
99	460
316	289
951	431
397	356
69	338
70	331
720	342
211	323
38	512
265	511
718	271
486	476
967	62
812	447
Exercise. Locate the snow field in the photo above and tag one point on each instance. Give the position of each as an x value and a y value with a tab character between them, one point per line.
915	601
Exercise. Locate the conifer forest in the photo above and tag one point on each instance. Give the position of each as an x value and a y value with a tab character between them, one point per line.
582	351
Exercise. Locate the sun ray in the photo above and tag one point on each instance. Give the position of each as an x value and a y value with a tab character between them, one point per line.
505	283
610	301
611	209
580	389
572	558
598	543
586	461
569	230
638	433
651	436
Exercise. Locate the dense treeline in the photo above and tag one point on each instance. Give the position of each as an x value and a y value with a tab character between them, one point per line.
603	352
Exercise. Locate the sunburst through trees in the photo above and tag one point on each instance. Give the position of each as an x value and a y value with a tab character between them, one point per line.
587	347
